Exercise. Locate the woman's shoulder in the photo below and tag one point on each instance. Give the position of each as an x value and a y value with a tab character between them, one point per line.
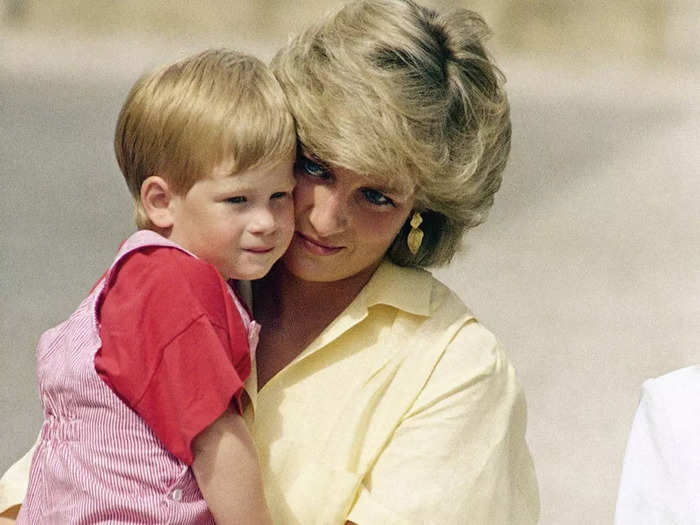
441	318
416	291
444	306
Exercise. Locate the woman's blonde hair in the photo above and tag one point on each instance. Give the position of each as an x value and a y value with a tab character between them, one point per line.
184	119
407	97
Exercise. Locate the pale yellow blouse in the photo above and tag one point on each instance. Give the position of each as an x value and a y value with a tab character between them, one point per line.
404	410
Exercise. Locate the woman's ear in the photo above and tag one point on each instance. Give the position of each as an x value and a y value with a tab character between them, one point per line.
157	202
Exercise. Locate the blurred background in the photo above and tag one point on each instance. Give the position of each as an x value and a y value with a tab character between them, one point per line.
588	269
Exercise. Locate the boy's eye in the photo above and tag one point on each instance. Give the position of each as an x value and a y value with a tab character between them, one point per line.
376	197
237	199
312	168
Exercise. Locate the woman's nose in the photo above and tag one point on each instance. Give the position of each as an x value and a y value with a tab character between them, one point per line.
329	213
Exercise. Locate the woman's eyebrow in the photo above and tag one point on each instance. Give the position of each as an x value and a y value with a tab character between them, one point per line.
396	192
383	188
306	153
399	192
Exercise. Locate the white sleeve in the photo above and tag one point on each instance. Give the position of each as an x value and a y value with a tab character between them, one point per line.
459	456
14	482
661	470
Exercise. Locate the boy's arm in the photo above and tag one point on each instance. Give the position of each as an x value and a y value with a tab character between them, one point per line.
227	472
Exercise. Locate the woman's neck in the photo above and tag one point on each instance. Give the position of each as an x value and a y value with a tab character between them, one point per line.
293	312
282	295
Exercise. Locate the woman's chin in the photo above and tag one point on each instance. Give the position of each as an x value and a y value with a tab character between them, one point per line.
320	269
307	268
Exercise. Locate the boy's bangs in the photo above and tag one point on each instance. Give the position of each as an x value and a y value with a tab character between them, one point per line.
258	134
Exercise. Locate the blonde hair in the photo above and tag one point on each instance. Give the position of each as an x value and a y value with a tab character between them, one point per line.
407	97
184	119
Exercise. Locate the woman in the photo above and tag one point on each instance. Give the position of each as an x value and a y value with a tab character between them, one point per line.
379	397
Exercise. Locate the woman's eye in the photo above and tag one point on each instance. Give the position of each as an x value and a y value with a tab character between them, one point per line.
279	195
376	197
237	199
312	168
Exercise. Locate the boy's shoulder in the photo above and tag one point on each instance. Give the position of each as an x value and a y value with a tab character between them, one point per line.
164	274
168	264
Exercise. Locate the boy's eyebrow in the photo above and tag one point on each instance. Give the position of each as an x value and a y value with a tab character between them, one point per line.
247	188
236	185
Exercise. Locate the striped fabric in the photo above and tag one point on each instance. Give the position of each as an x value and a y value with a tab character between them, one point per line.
97	461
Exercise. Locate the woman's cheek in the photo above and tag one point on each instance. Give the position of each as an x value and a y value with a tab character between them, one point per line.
285	217
382	228
303	192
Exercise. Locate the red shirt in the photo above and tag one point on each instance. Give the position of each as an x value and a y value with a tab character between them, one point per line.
174	346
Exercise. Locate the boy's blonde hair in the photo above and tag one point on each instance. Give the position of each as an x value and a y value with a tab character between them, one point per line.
409	98
184	119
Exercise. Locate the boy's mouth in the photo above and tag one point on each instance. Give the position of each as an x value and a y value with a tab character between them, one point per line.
260	250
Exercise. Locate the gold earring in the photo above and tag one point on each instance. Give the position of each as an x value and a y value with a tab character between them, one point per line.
415	236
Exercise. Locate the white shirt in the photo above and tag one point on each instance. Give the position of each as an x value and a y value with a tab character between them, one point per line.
661	472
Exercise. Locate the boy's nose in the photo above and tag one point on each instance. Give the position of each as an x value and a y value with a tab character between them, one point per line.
263	221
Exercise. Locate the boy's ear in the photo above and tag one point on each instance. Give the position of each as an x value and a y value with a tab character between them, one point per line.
157	201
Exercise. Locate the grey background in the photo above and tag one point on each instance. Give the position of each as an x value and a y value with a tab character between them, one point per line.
587	270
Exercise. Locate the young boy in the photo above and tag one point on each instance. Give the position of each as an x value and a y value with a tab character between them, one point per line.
141	386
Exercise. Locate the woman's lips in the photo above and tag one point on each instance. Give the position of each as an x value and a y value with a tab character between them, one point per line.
259	250
317	247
